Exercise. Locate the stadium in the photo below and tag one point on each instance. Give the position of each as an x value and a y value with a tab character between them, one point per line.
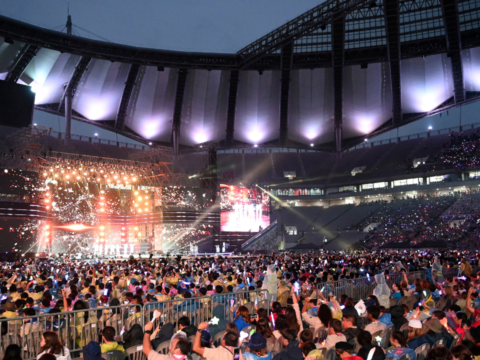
314	194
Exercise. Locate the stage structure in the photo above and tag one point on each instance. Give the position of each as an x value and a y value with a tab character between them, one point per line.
90	205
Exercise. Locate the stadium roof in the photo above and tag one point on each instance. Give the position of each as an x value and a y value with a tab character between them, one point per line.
344	70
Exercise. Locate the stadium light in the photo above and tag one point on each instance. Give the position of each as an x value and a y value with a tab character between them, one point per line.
430	128
255	145
96	134
366	139
311	144
150	143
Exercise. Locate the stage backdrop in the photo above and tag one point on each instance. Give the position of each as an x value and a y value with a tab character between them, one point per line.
244	209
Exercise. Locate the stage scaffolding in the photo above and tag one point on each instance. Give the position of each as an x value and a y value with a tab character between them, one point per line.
27	151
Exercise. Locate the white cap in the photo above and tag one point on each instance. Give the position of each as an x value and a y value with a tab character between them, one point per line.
416	324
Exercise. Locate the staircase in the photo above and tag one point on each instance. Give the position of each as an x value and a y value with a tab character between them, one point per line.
267	239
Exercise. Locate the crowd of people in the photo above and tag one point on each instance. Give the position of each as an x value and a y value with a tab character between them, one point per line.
450	218
279	306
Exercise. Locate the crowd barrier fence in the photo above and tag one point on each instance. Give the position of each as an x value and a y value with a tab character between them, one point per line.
77	328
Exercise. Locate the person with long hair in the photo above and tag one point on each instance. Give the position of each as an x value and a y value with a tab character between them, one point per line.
416	336
50	344
291	319
399	346
242	317
324	315
397	291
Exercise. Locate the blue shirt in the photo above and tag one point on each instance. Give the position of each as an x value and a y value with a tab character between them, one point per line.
397	295
241	323
416	342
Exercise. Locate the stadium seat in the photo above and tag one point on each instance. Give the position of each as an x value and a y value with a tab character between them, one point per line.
422	351
113	355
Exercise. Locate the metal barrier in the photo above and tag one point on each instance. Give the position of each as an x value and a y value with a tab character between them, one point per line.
75	328
78	328
361	288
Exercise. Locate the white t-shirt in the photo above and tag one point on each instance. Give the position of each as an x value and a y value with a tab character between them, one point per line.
62	356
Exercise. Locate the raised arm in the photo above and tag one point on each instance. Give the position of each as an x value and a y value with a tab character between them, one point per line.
469	306
297	309
147	345
197	345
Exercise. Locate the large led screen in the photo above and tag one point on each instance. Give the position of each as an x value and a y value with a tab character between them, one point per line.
244	209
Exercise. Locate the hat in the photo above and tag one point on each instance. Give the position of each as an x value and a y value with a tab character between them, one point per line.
206	337
416	324
92	351
343	345
179	334
434	325
475	332
257	342
9	306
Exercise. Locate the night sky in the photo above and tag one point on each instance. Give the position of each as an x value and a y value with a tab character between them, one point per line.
183	25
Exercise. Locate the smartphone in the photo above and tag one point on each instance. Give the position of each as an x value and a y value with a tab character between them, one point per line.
66	277
105	292
57	271
236	353
123	330
253	316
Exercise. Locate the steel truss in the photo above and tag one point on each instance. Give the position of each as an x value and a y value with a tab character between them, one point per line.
96	168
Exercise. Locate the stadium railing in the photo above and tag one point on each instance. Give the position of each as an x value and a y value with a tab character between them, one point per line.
361	288
77	328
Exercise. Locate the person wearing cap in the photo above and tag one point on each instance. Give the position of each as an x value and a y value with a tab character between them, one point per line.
257	348
416	337
434	332
206	341
345	351
92	351
224	352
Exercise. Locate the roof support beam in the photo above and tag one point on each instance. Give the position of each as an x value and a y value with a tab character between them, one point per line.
321	15
127	94
21	62
338	48
454	44
392	23
232	107
177	111
286	65
72	85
